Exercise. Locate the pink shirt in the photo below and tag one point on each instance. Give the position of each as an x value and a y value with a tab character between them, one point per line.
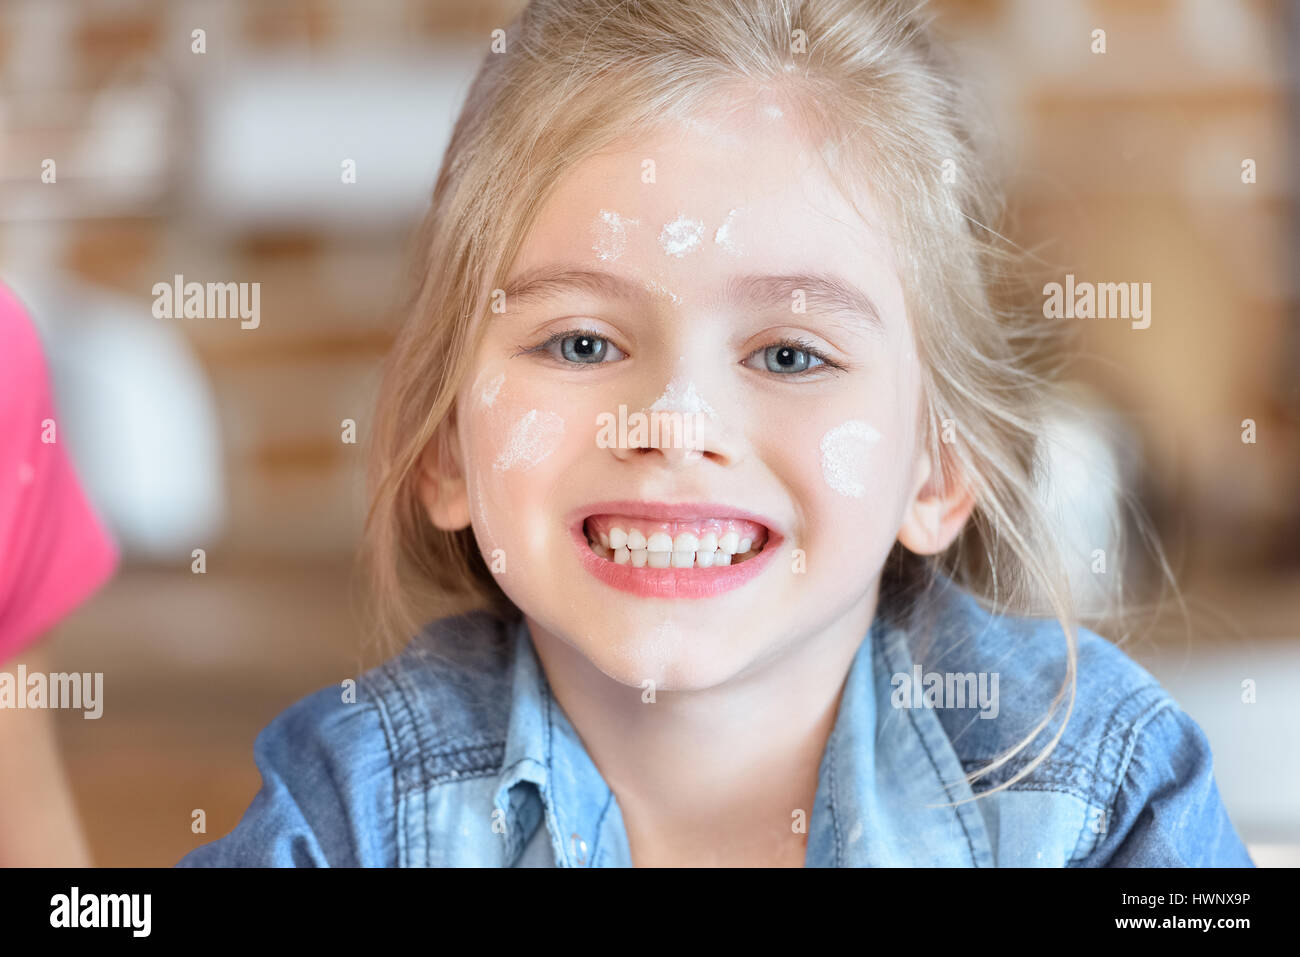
54	552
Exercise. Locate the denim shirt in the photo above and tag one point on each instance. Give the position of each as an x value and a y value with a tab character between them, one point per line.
456	753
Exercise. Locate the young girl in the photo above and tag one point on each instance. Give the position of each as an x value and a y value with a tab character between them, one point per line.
711	418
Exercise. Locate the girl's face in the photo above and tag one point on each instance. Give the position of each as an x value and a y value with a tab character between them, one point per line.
713	271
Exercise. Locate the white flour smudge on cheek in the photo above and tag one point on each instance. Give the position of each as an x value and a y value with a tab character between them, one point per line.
845	457
489	393
486	528
532	438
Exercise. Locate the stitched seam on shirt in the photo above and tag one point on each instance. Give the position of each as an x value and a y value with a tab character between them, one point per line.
830	806
1049	780
970	844
473	760
390	741
421	778
507	771
1120	714
548	799
1060	775
600	821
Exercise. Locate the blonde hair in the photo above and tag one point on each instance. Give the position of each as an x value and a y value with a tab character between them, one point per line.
868	77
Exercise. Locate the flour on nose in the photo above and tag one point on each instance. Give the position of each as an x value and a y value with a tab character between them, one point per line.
532	438
610	230
845	454
681	396
681	236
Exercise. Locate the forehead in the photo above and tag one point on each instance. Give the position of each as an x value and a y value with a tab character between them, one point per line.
692	203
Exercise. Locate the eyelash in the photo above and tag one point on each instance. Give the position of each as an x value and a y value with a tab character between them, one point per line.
786	342
803	345
559	337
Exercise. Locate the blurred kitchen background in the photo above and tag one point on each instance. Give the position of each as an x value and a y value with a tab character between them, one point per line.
226	166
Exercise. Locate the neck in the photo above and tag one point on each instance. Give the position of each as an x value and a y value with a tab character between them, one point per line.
714	776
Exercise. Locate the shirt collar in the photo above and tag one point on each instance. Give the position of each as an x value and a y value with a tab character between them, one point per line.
548	775
884	776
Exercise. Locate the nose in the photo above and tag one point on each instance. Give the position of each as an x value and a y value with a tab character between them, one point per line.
679	430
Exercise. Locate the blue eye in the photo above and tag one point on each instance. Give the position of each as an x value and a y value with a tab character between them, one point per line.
577	347
787	359
792	357
583	348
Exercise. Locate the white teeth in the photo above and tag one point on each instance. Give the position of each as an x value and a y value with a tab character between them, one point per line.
666	558
659	542
630	546
685	542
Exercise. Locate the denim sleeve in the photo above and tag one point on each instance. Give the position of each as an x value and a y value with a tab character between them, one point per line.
1167	811
326	795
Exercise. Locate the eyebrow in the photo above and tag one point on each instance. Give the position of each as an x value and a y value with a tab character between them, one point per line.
823	292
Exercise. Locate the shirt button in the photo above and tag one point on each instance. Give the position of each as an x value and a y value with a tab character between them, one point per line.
578	847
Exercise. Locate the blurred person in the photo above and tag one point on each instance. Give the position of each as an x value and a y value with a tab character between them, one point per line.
54	553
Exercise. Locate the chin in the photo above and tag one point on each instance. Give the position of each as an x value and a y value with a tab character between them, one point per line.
683	662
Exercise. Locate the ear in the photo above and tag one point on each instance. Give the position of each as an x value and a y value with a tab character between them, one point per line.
936	511
442	487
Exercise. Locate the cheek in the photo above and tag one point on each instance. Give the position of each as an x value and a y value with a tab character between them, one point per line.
510	431
530	438
520	444
848	472
854	470
846	457
857	483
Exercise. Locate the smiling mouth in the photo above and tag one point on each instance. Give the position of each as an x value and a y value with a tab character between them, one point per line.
685	543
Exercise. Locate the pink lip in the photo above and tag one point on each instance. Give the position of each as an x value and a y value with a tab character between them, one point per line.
671	582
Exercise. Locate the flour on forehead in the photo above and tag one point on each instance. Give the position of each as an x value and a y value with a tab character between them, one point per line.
610	230
662	290
846	457
681	236
531	439
726	234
